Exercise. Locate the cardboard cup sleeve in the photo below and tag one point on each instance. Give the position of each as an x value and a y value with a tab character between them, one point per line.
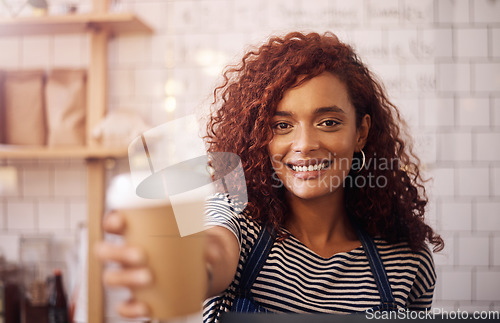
65	99
23	108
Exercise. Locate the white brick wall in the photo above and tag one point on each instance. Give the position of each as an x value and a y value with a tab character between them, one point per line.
439	60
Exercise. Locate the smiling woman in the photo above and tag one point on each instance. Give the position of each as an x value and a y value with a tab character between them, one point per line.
333	231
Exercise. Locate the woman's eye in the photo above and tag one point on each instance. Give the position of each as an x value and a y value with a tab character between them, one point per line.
328	123
281	126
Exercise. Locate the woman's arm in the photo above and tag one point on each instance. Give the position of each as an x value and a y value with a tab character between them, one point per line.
221	254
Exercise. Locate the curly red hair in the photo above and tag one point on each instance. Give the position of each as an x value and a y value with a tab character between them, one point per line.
240	123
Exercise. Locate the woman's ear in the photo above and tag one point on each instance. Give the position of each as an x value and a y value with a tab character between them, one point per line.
363	131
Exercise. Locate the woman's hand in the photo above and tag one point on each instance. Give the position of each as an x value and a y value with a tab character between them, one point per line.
221	255
134	271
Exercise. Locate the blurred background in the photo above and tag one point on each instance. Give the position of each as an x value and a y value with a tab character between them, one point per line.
439	60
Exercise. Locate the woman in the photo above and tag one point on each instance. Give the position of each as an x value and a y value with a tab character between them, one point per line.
335	214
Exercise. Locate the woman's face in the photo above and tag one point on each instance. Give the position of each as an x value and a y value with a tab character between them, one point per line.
315	137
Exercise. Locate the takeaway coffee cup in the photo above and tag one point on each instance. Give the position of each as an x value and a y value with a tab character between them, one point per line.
176	262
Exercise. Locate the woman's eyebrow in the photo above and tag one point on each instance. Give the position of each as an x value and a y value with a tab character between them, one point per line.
283	114
321	110
333	108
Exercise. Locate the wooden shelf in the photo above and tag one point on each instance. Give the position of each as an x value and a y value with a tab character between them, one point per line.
28	152
99	24
121	22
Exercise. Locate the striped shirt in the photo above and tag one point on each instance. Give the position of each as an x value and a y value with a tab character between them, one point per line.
294	279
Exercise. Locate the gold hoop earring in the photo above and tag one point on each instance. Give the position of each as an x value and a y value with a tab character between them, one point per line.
364	160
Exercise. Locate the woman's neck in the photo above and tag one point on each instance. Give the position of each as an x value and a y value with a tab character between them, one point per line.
321	224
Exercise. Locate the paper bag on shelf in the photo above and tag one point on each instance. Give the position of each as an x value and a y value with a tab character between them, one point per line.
65	100
23	107
2	112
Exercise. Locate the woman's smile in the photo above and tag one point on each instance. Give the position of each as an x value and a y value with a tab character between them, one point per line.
309	169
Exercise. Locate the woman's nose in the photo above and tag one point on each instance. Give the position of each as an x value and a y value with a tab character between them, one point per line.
304	140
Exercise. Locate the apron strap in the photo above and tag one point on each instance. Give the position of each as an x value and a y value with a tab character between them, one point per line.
377	267
256	259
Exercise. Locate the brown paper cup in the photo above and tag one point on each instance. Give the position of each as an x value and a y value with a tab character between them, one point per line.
177	262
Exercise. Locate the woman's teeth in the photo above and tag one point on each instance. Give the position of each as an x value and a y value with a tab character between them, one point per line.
310	168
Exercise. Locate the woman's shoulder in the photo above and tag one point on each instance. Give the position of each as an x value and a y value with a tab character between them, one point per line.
221	210
401	252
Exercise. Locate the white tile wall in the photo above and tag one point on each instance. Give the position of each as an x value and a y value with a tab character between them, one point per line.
468	251
471	42
487	285
418	11
21	216
485	11
446	257
443	182
454	291
77	213
10	58
453	11
70	182
453	77
402	43
455	146
157	14
133	50
495	178
484	149
473	111
52	216
384	13
3	218
439	60
121	83
216	15
37	181
426	148
496	251
487	216
486	77
437	43
36	51
472	181
495	44
456	216
496	112
438	112
70	50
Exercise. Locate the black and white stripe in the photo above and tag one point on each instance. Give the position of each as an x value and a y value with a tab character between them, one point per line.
296	280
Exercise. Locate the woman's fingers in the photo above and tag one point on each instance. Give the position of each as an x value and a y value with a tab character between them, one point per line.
133	309
114	222
130	277
126	255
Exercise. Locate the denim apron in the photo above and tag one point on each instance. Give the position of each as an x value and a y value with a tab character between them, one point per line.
244	301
